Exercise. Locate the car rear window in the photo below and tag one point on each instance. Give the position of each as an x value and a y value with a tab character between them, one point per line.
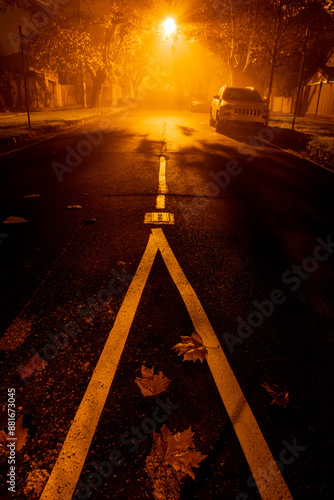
241	95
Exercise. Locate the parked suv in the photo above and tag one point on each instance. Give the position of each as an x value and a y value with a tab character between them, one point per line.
238	106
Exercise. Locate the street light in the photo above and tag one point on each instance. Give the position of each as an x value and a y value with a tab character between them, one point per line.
169	26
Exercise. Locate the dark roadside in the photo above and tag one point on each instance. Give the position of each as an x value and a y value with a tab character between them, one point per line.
312	137
15	132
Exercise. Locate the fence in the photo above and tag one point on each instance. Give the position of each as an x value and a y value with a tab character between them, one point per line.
316	100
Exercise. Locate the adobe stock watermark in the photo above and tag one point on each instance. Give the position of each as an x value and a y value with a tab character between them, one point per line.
287	456
132	439
293	277
60	341
222	179
40	19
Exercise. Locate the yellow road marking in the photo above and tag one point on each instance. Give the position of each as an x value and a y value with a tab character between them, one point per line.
260	460
161	202
67	469
162	187
66	472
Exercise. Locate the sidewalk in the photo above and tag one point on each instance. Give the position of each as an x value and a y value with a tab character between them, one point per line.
14	130
328	120
312	135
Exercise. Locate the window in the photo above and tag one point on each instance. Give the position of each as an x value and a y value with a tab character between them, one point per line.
241	94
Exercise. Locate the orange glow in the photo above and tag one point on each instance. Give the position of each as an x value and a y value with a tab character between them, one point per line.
169	26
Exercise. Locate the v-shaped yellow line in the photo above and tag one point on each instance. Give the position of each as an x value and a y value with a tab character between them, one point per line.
66	472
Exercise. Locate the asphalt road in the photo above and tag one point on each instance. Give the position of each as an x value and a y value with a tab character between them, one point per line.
253	234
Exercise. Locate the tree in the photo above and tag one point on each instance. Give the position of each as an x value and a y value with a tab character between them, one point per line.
87	40
282	26
254	37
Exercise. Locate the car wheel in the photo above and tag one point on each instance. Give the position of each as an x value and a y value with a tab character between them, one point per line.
212	122
218	123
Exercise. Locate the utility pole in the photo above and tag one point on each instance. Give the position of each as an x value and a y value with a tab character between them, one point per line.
25	77
300	79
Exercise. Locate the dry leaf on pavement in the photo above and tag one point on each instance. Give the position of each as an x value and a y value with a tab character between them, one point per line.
280	396
12	219
3	437
21	435
179	450
171	460
150	384
35	363
192	348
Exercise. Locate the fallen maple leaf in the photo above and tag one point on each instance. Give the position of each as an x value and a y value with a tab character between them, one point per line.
3	437
171	460
280	396
12	219
35	363
179	450
192	348
150	384
21	434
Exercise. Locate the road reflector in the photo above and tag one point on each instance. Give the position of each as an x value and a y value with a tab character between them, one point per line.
159	218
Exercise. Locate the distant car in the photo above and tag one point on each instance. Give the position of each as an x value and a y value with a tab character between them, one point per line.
241	106
198	103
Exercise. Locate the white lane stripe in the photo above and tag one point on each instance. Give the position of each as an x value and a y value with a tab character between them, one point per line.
261	462
66	472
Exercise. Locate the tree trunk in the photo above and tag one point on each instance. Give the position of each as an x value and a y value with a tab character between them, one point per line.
274	56
98	82
84	92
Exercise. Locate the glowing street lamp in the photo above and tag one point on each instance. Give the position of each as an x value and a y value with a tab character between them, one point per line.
169	26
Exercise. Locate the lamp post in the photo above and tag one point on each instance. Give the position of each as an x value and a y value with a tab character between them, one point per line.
25	78
300	79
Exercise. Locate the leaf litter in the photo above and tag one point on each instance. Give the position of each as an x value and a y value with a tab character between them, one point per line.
12	219
192	348
280	395
35	363
21	435
171	459
36	481
150	384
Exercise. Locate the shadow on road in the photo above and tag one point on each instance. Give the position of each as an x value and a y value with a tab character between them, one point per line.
279	136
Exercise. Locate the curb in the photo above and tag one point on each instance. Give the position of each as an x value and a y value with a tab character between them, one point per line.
301	157
42	134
